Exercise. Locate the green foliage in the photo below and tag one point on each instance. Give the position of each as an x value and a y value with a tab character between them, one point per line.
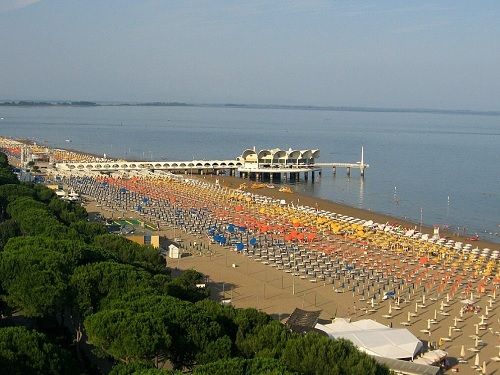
43	193
13	191
184	286
196	336
128	335
86	230
74	251
241	366
138	368
315	354
8	229
91	283
34	280
29	352
130	252
4	161
7	177
67	212
268	340
34	218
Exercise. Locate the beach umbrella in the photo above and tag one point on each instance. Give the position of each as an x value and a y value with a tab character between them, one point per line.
476	360
239	246
483	369
462	351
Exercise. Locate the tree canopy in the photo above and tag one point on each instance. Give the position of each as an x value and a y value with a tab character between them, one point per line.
29	352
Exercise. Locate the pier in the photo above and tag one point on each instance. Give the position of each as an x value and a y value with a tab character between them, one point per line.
361	165
264	165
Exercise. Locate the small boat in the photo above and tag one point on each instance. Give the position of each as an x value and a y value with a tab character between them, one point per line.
68	140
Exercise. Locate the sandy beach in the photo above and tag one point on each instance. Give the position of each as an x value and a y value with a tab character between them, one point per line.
434	314
429	297
323	204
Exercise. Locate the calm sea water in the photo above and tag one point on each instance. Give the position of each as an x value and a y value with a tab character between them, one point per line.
446	165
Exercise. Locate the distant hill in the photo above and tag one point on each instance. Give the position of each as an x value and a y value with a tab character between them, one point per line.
29	103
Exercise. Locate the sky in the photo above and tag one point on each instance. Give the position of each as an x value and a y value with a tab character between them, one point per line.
418	54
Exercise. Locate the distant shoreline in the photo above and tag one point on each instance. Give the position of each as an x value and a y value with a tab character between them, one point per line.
31	103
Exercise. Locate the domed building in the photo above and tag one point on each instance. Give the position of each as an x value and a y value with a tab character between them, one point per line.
272	163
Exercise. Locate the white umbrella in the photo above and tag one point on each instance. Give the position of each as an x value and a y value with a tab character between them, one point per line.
476	360
462	351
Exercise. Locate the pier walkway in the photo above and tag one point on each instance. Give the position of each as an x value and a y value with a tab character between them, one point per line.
267	166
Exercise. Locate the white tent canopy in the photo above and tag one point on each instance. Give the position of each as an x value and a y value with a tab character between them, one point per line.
374	338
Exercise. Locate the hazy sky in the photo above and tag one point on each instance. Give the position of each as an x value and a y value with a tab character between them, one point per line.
441	54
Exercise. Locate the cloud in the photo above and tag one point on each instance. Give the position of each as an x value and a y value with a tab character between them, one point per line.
7	5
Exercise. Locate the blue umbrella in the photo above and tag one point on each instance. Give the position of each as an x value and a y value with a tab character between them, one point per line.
253	241
240	246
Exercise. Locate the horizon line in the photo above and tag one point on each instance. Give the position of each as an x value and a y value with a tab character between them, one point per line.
333	108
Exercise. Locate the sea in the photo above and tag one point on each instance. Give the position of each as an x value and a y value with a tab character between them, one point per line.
438	169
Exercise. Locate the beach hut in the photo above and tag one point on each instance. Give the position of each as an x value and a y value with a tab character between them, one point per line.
174	252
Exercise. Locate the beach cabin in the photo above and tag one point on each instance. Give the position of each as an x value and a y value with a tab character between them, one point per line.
174	252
